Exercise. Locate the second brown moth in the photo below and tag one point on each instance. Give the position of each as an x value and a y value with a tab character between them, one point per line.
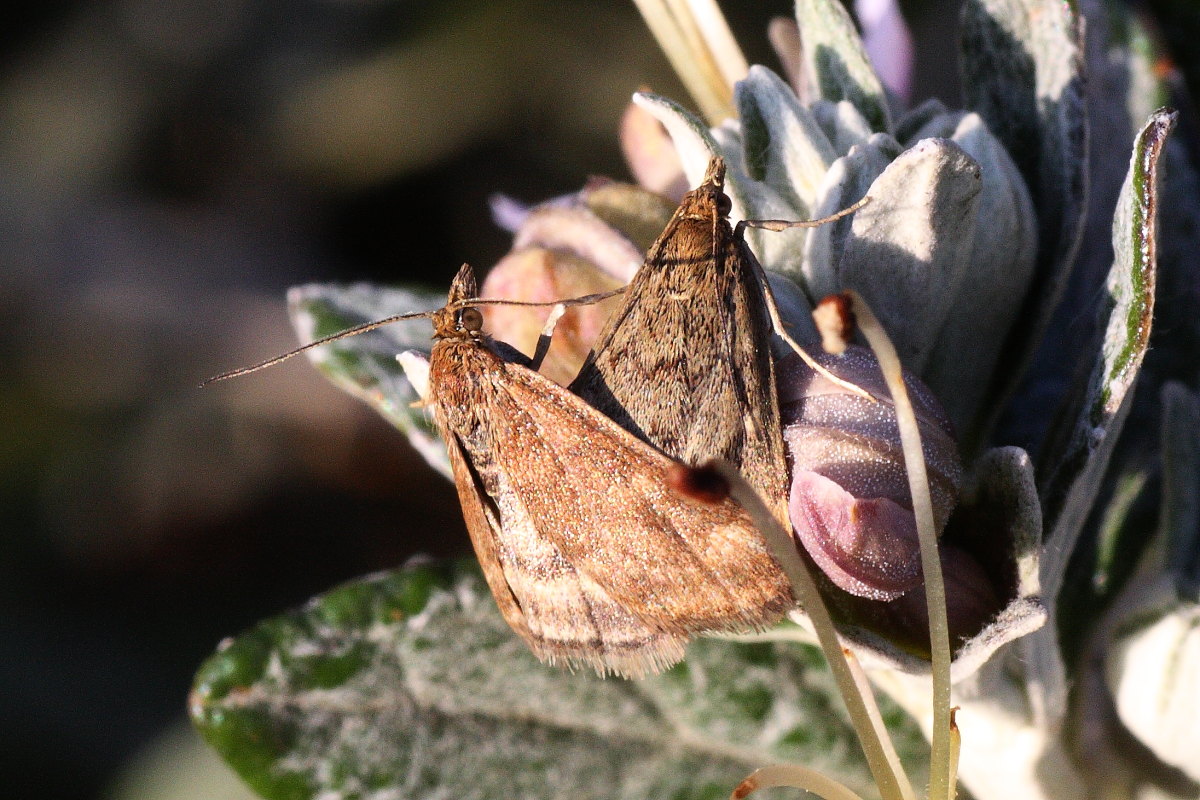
592	556
685	362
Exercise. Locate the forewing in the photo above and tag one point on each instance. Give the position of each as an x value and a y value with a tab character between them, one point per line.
564	616
483	527
685	364
602	497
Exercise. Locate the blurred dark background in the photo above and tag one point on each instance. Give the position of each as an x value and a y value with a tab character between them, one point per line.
167	169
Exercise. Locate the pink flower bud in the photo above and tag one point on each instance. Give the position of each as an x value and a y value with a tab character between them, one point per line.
971	603
849	501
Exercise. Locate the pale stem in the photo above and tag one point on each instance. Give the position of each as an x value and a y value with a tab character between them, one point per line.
682	39
868	696
940	787
783	548
796	776
724	48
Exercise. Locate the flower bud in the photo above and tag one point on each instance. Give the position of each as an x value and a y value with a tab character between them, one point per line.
849	502
971	603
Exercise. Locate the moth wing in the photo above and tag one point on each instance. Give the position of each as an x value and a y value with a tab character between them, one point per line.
562	615
679	565
714	393
482	528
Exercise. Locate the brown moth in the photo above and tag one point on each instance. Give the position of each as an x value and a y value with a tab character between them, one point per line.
685	362
592	557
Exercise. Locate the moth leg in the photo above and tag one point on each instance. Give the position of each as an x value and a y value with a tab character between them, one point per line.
543	342
769	295
777	324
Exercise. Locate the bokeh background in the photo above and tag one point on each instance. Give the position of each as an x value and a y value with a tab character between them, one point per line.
167	169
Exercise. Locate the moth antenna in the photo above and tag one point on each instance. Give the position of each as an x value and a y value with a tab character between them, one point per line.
333	337
543	342
739	232
784	224
584	300
777	324
370	326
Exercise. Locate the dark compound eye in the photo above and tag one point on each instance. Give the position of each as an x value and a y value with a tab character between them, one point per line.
724	206
470	319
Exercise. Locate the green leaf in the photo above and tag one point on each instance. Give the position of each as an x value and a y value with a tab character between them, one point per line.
847	181
1179	521
1151	670
1125	321
917	231
1145	649
778	251
836	63
1071	481
843	125
916	124
691	137
1021	65
409	684
1005	502
998	270
784	146
365	365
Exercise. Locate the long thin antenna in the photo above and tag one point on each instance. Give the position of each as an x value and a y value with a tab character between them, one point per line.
370	326
769	294
333	337
784	224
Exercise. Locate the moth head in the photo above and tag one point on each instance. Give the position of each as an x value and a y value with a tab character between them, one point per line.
457	322
710	192
457	318
470	320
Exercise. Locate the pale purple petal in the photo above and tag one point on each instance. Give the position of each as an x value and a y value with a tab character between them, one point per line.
888	43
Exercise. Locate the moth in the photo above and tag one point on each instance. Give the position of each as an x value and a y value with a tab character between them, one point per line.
685	362
591	555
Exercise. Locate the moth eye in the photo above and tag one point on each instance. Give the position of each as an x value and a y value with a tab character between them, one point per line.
471	319
724	205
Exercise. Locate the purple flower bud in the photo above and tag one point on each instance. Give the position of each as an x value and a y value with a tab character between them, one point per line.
849	501
971	603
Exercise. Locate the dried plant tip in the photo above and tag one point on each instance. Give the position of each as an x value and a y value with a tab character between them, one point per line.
792	776
955	746
834	319
704	483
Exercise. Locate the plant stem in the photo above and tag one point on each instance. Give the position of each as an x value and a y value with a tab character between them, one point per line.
696	49
940	756
783	548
